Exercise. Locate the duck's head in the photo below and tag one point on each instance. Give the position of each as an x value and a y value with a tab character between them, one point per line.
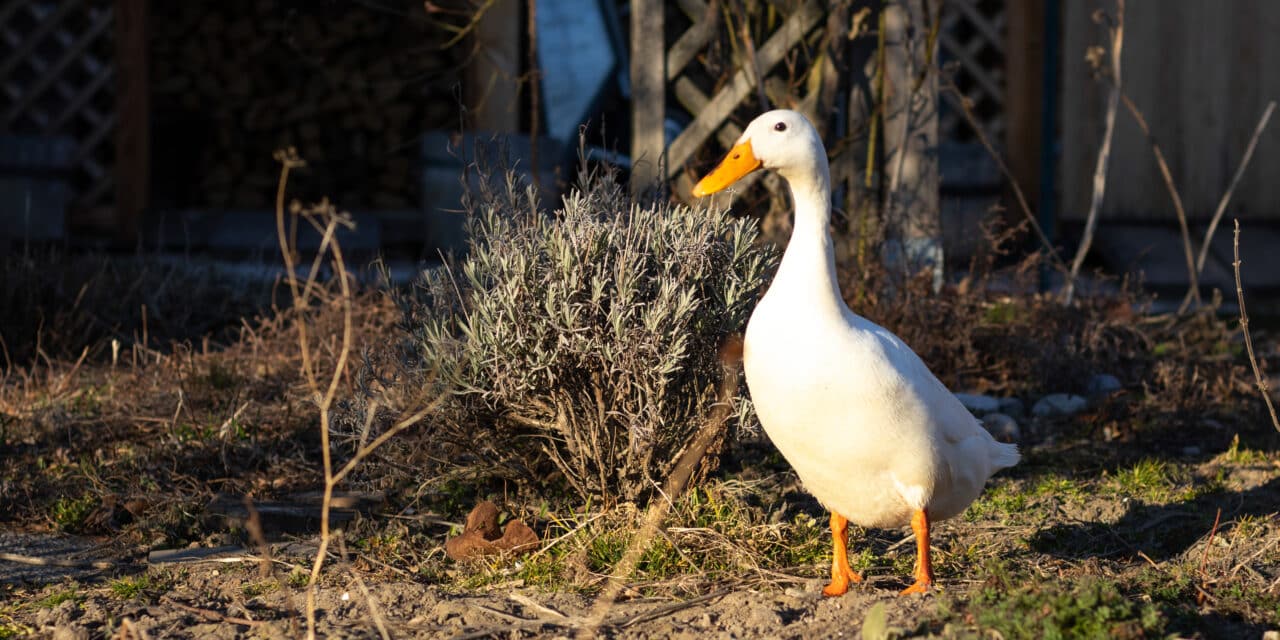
782	140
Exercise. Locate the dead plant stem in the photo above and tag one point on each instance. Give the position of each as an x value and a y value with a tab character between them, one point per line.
967	110
1104	153
1204	558
1178	209
1231	188
661	506
1264	387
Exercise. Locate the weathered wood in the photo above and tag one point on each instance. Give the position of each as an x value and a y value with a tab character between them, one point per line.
967	55
493	76
1199	97
133	126
648	93
912	204
1023	95
71	55
728	98
689	44
25	48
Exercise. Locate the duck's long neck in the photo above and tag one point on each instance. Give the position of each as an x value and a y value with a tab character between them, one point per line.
808	267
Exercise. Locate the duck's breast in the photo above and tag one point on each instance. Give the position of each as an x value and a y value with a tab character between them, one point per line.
869	430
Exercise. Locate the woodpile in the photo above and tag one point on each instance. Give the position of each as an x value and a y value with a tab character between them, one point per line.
352	85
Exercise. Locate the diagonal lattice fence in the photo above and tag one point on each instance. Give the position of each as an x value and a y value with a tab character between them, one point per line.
56	78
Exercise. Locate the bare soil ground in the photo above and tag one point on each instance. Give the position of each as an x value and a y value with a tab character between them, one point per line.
1155	512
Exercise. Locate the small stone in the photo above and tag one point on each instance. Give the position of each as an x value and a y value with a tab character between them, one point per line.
1012	407
1191	451
1059	404
798	593
978	404
1103	384
1002	427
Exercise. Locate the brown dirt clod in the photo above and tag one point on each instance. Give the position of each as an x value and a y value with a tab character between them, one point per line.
481	536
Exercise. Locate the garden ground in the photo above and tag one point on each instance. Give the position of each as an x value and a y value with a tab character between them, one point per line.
1153	512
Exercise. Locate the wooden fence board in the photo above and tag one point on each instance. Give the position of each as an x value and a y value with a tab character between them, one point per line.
741	84
1200	97
648	93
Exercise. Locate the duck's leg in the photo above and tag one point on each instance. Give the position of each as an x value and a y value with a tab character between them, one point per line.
841	574
924	570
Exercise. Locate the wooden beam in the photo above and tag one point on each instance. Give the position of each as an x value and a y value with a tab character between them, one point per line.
648	94
912	205
133	127
493	77
1024	62
741	84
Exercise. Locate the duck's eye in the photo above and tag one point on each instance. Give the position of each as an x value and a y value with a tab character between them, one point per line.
781	126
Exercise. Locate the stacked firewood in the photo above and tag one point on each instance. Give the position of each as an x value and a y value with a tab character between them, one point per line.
352	85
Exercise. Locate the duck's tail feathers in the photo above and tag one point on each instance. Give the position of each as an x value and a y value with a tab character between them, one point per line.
1004	455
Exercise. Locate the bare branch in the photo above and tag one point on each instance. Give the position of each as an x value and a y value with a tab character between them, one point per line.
1235	180
1104	153
1178	209
1264	387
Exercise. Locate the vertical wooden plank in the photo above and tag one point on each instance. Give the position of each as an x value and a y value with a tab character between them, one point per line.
1081	107
133	129
1200	98
492	84
912	206
648	93
1024	95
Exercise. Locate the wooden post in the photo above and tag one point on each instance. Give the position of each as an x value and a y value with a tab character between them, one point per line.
912	202
1024	95
133	127
648	93
493	83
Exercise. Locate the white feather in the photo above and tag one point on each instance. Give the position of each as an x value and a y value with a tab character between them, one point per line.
872	433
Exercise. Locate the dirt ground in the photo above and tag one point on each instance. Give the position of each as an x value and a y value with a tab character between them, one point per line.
125	468
210	599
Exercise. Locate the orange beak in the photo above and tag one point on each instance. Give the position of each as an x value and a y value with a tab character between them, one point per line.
740	161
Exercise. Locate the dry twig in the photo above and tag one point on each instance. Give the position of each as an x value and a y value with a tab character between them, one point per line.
289	160
325	219
967	110
1205	557
674	486
1178	208
1264	387
1231	189
1104	151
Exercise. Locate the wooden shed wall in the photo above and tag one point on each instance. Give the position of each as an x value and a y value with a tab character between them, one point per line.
1202	73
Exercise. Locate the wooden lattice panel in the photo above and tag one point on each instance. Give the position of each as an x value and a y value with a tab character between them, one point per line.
56	78
711	104
972	42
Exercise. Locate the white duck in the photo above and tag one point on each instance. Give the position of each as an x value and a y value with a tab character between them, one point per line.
872	433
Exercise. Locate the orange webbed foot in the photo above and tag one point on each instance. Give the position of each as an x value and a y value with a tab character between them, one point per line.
924	568
920	586
840	580
841	574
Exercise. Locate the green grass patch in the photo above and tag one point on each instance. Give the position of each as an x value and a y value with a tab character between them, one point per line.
10	629
1050	609
69	513
255	589
1004	501
59	596
1237	454
137	587
1150	480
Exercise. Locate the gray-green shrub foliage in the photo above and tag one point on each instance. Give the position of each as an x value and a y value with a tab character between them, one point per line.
587	338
